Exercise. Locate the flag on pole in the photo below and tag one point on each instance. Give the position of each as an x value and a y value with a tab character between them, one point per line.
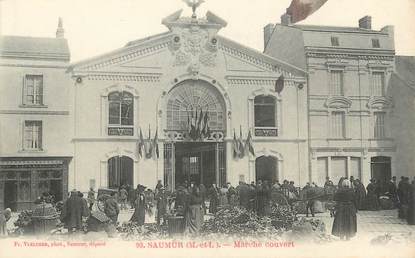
140	144
248	144
235	145
155	153
148	145
199	125
301	9
206	129
241	144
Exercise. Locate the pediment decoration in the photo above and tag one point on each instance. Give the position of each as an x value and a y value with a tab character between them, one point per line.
337	63
379	103
338	102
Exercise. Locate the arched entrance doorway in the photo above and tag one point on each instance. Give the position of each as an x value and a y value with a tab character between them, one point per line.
381	170
195	130
266	169
120	171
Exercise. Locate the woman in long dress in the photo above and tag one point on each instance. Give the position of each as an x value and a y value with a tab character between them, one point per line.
140	207
360	193
194	213
345	222
372	202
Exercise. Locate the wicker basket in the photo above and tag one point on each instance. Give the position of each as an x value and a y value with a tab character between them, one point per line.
45	218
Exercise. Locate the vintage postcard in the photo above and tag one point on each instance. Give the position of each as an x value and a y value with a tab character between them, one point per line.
207	128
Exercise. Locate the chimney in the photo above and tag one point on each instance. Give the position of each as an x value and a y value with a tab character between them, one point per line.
285	19
60	32
268	29
365	23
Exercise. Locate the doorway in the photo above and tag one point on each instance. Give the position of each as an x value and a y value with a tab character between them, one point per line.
10	194
120	172
381	170
199	162
266	169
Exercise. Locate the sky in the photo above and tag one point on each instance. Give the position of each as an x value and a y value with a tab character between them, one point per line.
94	27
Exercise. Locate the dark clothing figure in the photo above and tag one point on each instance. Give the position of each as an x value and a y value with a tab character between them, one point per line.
231	194
403	191
411	205
140	209
214	199
372	202
252	197
194	215
161	200
360	194
309	197
111	209
260	199
72	212
345	222
180	200
244	195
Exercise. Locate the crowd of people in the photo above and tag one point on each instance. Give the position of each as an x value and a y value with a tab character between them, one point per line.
192	201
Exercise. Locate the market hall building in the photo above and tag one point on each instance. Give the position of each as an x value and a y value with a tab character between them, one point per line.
193	92
167	83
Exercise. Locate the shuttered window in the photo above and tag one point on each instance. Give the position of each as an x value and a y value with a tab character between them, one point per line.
336	83
338	125
33	90
33	135
355	167
379	128
338	168
378	84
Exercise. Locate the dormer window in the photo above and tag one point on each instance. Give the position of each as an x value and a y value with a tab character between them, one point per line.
375	43
335	41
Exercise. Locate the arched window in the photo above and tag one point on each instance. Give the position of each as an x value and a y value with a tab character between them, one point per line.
265	111
121	108
120	113
266	169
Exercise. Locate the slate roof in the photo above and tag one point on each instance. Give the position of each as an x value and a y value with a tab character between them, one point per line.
34	47
335	29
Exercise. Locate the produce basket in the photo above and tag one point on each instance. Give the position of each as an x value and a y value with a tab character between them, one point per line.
175	225
45	218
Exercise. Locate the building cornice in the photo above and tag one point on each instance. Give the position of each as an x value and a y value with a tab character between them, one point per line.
352	53
34	112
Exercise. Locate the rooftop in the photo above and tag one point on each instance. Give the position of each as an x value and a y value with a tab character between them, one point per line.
34	47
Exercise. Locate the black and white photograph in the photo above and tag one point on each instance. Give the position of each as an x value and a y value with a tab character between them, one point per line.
207	128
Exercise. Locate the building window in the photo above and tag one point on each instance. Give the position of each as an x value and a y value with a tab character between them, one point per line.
379	128
121	113
378	84
265	111
336	84
375	43
338	125
33	135
33	90
338	168
335	41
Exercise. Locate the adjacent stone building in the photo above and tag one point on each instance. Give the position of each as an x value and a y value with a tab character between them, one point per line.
350	105
35	121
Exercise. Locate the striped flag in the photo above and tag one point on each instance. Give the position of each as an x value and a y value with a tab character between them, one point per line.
156	152
235	145
248	144
301	9
140	144
241	144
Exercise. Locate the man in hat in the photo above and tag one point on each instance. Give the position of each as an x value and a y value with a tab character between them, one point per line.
244	194
161	199
140	206
111	208
72	211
